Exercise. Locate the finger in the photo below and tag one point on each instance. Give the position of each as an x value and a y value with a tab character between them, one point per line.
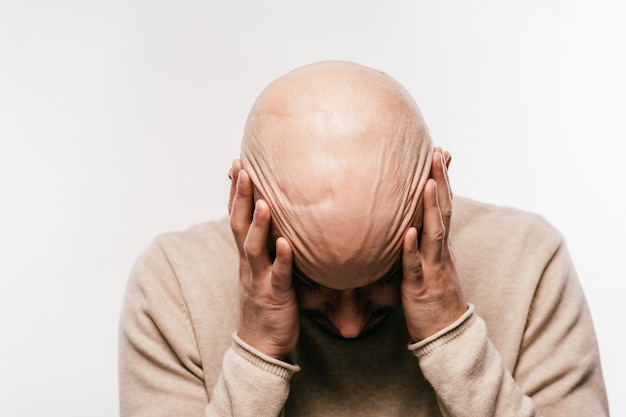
255	246
411	261
448	158
233	175
241	213
433	227
282	267
446	155
440	175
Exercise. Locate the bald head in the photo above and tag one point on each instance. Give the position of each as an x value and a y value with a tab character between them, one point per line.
341	154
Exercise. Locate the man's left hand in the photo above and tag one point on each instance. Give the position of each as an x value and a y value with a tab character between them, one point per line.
431	297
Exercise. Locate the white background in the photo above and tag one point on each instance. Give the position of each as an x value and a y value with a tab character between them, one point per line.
118	121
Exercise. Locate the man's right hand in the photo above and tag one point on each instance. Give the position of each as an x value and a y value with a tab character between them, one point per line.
269	319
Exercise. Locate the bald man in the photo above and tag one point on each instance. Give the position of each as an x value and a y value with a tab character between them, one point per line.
336	290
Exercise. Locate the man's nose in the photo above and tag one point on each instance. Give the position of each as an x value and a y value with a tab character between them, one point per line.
348	314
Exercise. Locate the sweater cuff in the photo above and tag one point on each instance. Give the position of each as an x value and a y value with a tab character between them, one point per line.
442	337
262	361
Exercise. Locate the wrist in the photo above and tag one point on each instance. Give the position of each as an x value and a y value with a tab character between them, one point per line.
271	350
436	322
282	367
456	326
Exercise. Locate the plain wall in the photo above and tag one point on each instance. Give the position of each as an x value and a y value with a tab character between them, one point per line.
119	119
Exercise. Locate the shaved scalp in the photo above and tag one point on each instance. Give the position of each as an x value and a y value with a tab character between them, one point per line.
341	154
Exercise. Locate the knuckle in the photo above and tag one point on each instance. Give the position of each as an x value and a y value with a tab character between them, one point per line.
439	235
280	272
233	224
236	226
414	267
250	249
240	192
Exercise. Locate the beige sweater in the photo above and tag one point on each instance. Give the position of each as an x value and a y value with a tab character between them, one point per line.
526	346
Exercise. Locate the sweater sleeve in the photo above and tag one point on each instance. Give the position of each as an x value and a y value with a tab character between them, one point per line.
160	368
558	369
251	384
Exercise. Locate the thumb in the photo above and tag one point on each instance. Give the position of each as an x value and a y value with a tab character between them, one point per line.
282	267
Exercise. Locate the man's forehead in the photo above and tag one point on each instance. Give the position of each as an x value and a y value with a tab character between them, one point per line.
392	272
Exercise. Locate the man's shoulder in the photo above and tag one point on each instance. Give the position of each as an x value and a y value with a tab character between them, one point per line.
187	280
469	209
198	237
202	253
499	237
490	221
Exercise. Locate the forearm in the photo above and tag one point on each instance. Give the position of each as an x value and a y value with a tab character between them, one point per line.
251	384
467	372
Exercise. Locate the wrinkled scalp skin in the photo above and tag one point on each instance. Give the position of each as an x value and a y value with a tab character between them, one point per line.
341	153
